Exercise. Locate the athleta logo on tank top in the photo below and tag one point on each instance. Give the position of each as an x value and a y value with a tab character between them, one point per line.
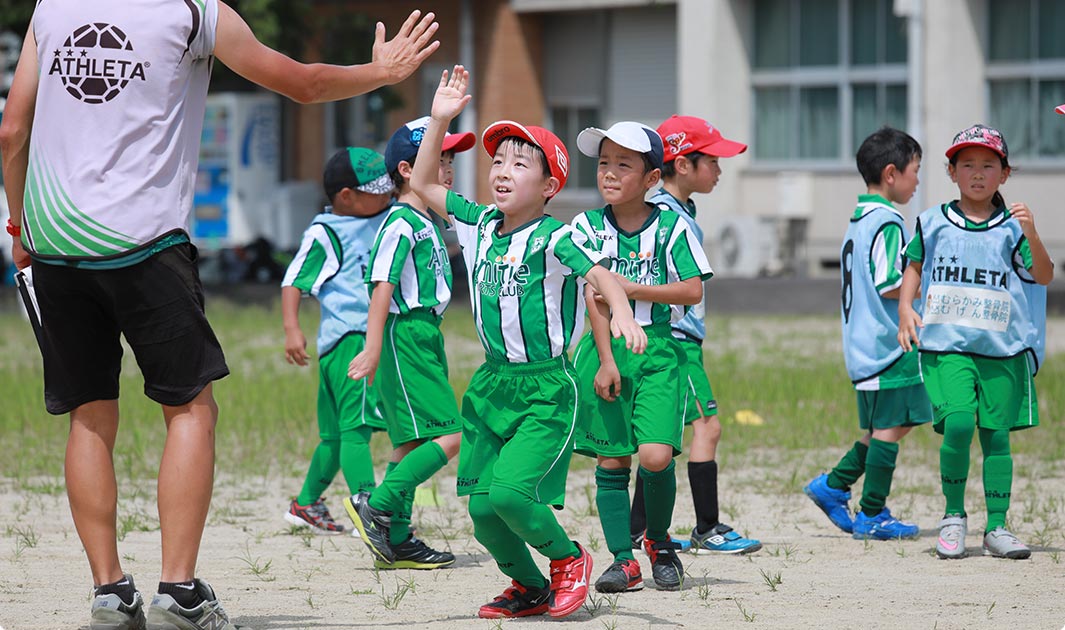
96	63
504	276
945	271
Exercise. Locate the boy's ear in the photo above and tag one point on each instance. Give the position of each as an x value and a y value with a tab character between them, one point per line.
405	169
652	178
551	187
887	176
682	165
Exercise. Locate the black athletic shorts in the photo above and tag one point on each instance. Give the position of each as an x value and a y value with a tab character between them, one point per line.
156	304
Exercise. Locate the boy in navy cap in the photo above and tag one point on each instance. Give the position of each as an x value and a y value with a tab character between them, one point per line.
409	276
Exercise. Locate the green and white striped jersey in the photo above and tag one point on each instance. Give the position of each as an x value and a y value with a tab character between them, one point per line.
664	250
526	286
117	123
409	252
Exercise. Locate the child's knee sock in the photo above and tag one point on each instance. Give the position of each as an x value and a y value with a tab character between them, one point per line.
702	477
660	493
324	466
879	468
850	468
998	475
507	548
958	431
637	514
612	501
396	491
356	461
533	522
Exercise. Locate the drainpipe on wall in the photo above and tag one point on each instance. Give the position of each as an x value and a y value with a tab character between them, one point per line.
466	162
913	11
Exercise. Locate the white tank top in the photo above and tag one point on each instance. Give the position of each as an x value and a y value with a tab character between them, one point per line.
116	130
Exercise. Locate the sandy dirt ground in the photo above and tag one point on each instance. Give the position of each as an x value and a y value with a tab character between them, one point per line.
808	575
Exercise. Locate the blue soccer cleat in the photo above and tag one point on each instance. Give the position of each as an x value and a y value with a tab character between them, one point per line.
722	539
834	503
883	526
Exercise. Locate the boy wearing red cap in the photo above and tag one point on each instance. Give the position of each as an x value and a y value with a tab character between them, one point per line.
409	276
520	409
693	148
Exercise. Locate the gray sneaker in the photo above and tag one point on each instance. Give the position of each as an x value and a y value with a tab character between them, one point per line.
109	612
951	542
1002	544
167	614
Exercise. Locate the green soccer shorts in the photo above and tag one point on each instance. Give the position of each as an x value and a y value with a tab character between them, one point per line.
698	401
1001	392
899	407
518	425
648	410
416	397
343	404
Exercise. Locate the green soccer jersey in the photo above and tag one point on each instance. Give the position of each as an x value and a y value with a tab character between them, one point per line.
664	250
525	285
409	252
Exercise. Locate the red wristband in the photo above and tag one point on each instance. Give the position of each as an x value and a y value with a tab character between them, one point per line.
14	230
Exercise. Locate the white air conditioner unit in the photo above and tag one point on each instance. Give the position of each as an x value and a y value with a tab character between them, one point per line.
745	247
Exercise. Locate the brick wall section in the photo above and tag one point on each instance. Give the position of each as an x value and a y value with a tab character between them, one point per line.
509	60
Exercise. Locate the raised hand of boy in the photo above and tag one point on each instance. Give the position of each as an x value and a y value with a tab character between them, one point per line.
451	97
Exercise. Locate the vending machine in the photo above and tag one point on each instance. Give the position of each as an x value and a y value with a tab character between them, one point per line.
239	170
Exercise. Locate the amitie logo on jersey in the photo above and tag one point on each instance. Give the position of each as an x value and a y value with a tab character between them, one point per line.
96	63
506	276
640	267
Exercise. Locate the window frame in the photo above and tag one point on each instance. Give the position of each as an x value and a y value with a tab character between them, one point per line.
843	77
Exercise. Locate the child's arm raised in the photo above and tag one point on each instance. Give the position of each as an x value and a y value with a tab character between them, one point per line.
622	323
449	101
295	342
909	320
607	379
364	365
1042	266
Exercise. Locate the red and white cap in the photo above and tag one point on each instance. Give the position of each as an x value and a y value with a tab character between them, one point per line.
557	155
1060	109
686	134
979	136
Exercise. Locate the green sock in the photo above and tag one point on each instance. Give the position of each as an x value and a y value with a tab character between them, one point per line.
356	461
507	548
879	468
533	522
396	491
849	468
659	495
998	475
612	501
958	431
324	466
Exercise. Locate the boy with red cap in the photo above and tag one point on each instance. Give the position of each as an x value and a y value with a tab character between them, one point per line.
409	278
519	414
693	148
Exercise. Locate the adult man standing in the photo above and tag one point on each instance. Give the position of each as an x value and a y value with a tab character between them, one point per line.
100	192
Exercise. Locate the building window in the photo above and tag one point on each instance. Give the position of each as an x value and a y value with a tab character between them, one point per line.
1026	74
826	74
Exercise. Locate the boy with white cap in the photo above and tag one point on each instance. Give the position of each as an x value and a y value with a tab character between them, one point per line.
409	276
630	403
693	148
